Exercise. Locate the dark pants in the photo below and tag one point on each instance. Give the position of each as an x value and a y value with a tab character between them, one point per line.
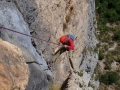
62	50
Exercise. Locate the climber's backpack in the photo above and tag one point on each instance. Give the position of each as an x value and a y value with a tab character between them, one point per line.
71	36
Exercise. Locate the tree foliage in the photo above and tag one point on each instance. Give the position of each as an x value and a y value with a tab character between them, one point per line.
101	55
116	35
108	9
108	22
109	78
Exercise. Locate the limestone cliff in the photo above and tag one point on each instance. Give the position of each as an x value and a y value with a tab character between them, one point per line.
39	75
48	20
13	70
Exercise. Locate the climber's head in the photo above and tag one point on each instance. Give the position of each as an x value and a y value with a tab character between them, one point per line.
63	39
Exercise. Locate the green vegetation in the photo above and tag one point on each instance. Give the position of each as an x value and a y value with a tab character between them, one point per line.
80	85
55	87
108	18
116	35
109	78
80	73
108	10
108	22
91	85
101	55
96	72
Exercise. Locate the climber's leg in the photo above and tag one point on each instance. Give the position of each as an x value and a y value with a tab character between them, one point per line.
72	62
71	59
58	53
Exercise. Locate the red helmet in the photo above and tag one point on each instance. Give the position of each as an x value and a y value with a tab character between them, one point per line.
63	39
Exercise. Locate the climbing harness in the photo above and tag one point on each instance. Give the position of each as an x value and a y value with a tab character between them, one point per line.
4	28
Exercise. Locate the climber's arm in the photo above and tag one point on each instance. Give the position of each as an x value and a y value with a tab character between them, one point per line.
70	46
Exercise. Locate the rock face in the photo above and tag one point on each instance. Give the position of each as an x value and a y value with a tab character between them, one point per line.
13	70
53	19
40	76
48	20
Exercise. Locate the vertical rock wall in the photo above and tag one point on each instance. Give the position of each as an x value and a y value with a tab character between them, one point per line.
13	70
53	19
89	56
40	76
48	20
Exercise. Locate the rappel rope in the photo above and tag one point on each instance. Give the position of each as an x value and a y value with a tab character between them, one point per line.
4	28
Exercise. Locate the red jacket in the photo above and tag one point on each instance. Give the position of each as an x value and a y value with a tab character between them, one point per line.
70	43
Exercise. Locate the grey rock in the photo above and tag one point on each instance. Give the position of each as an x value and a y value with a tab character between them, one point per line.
11	18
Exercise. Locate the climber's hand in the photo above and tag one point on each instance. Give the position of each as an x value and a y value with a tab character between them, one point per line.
66	46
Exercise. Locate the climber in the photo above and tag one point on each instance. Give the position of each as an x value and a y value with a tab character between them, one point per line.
67	45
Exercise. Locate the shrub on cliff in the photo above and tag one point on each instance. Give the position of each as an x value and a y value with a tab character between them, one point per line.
116	35
101	55
109	78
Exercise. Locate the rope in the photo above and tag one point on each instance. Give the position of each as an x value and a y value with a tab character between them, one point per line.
27	35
